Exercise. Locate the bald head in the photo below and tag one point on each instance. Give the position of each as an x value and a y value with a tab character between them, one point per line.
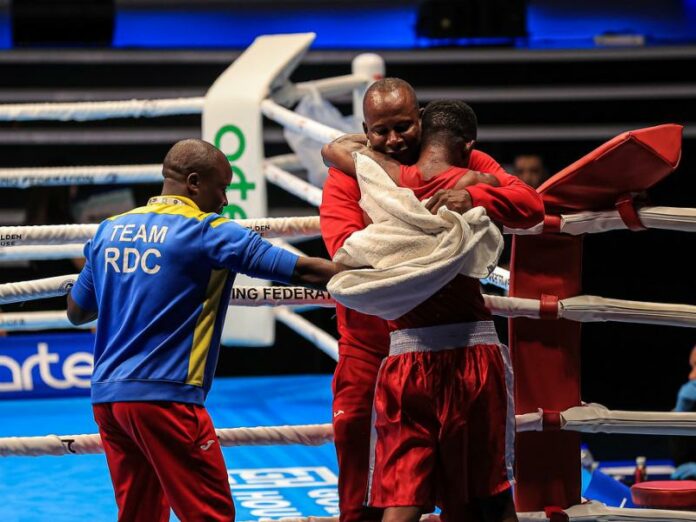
191	155
198	170
392	119
389	89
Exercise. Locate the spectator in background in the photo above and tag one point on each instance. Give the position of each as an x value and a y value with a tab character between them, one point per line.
530	169
684	448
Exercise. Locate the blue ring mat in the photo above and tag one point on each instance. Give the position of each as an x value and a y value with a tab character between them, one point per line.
269	481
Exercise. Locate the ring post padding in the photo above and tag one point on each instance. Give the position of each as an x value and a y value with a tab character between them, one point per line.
232	121
371	67
547	467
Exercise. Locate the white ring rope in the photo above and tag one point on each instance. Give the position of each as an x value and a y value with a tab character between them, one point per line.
105	174
681	219
36	289
309	435
89	111
584	308
83	175
595	418
42	235
322	340
291	120
29	252
580	308
288	161
46	234
591	418
29	321
292	184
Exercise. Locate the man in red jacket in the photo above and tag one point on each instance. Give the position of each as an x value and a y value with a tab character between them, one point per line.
444	416
392	126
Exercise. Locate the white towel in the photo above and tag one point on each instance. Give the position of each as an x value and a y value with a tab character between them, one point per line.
409	253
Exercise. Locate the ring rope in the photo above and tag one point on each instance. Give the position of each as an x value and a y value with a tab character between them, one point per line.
91	111
291	120
29	321
591	418
26	177
680	219
322	340
292	184
53	234
584	308
30	252
155	108
36	289
83	175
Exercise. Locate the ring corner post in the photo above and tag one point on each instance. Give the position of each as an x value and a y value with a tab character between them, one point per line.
232	122
546	361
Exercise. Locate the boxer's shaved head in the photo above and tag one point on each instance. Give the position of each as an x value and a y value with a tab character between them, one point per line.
198	170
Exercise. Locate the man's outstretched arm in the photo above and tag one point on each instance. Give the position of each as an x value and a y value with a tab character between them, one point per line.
315	272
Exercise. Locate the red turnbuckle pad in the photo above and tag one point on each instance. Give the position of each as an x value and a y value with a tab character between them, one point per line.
629	215
548	306
551	420
552	224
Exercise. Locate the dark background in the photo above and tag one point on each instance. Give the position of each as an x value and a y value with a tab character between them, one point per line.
625	366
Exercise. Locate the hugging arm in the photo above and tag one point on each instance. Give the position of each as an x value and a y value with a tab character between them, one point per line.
339	154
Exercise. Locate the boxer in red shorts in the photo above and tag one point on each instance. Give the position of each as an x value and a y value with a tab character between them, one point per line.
444	416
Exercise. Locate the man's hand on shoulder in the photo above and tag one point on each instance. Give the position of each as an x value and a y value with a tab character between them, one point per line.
456	200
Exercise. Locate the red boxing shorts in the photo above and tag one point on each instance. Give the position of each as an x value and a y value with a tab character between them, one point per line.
444	419
163	454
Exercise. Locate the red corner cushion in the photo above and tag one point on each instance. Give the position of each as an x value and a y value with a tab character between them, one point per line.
665	494
631	162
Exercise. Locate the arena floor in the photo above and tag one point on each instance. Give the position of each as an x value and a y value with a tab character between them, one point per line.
267	481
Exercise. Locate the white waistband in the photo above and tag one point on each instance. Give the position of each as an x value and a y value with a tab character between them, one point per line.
442	337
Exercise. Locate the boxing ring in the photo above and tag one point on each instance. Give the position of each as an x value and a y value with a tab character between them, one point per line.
544	302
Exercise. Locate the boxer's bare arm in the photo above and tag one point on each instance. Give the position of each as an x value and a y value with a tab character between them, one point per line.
339	154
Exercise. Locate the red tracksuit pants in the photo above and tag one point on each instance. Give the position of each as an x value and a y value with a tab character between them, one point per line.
162	455
354	388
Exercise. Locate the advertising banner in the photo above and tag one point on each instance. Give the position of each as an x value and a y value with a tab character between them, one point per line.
38	366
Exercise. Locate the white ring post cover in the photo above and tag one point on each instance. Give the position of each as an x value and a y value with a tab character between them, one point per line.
232	122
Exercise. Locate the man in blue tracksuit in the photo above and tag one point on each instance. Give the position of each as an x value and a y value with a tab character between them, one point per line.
158	279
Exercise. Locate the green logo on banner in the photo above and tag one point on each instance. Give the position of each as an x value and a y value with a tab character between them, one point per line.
239	181
240	138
